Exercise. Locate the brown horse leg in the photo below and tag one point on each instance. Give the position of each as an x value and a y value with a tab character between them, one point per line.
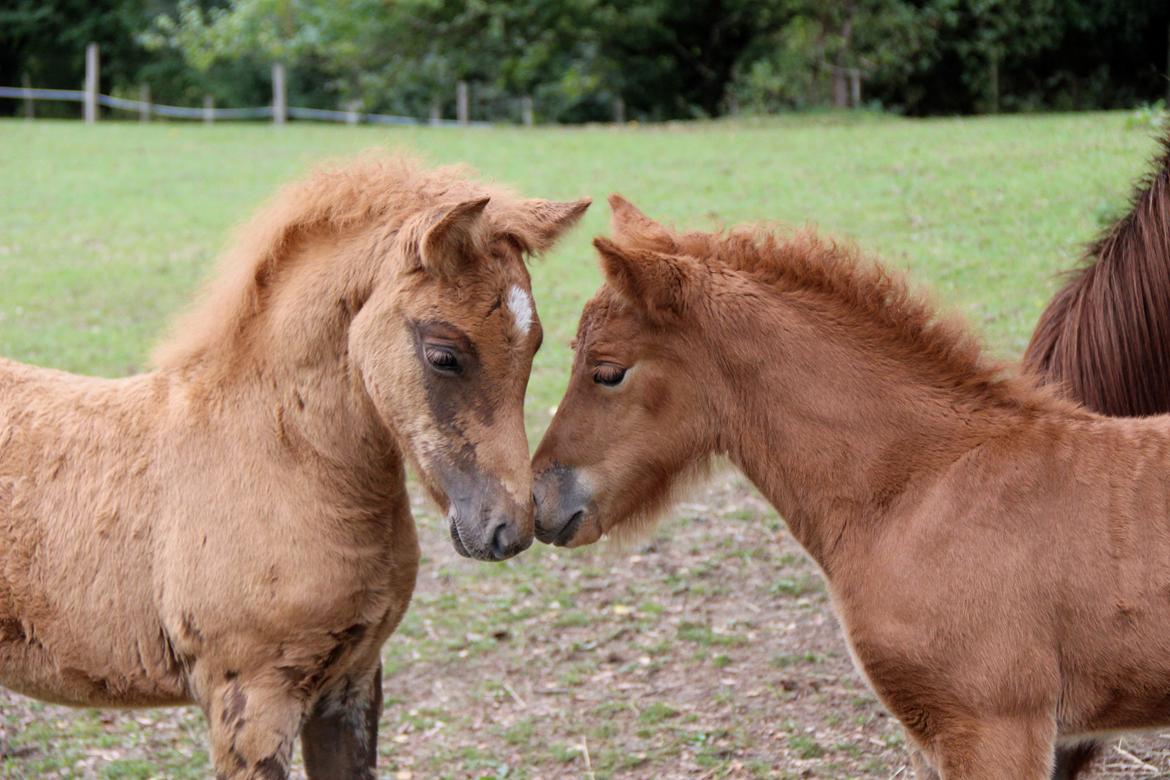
1073	759
253	728
1002	749
340	738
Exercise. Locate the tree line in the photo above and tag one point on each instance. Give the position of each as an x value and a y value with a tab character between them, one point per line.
577	59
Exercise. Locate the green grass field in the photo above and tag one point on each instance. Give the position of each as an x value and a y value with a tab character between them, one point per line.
106	230
679	658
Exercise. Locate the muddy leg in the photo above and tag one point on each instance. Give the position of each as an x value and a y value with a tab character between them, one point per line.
1073	759
253	728
1004	749
340	738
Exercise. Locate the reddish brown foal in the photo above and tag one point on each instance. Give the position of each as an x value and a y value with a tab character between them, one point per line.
999	558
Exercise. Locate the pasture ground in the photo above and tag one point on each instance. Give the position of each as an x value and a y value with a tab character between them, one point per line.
709	650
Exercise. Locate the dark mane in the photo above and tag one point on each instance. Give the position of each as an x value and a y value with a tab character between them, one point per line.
1105	337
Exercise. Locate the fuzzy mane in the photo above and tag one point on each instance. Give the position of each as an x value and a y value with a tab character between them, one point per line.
336	198
1105	337
863	290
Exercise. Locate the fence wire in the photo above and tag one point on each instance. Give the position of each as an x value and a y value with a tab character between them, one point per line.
225	114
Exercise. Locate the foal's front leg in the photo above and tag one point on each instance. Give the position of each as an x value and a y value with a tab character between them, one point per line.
996	749
340	738
253	725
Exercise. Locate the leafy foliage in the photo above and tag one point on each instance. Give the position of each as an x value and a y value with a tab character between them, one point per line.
663	59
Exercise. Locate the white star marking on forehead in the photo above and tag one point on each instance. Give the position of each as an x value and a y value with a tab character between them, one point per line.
520	304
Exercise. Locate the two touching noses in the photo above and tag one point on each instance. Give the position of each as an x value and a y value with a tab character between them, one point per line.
499	519
560	496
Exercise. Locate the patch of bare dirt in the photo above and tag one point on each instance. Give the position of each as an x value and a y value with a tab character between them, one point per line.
709	651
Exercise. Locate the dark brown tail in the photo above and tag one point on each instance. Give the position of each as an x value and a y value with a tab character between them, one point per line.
1106	334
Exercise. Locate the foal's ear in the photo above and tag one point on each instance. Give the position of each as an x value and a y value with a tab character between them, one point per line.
447	244
660	285
629	222
537	224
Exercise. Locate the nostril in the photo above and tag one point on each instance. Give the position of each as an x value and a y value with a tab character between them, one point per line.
501	542
569	529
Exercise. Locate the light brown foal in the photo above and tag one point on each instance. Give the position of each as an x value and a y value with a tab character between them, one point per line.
233	528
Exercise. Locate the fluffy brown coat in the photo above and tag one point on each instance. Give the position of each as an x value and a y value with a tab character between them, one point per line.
999	557
233	528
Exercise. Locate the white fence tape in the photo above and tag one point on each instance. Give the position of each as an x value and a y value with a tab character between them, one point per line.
217	114
75	95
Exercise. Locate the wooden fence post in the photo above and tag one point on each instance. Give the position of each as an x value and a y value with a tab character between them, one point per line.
462	112
855	87
840	87
619	110
208	109
993	80
91	83
279	97
436	111
526	112
26	83
144	100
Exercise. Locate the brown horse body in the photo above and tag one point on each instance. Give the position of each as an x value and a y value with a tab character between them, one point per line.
999	558
233	529
1104	339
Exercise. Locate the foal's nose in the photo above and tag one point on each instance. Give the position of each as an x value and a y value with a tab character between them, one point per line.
507	527
508	540
562	503
488	524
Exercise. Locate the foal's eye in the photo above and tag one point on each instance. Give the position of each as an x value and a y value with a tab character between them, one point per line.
442	359
609	375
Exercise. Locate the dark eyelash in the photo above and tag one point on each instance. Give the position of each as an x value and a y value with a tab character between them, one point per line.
609	375
441	359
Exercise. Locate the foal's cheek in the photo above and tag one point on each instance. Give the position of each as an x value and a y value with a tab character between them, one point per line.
656	395
573	426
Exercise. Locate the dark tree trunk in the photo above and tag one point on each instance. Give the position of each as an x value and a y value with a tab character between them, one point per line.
841	70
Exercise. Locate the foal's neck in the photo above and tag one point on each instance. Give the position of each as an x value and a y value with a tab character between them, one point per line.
290	382
834	431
